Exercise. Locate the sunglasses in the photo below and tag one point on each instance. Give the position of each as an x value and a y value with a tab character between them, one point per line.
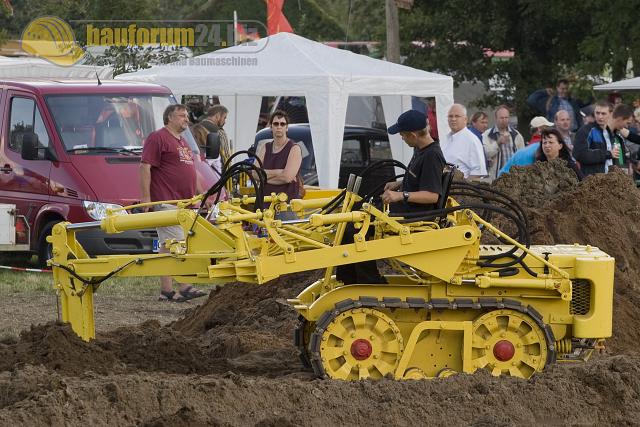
276	124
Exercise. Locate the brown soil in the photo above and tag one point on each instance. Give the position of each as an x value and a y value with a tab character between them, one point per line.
230	361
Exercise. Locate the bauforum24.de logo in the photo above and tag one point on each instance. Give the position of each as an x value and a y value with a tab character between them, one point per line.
53	39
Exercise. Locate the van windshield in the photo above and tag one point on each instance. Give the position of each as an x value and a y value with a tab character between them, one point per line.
98	124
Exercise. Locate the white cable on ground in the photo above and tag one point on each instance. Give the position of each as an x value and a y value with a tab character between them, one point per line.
30	270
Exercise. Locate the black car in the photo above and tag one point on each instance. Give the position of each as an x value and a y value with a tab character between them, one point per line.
361	146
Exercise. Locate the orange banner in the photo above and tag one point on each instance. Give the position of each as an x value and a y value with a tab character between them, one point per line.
276	21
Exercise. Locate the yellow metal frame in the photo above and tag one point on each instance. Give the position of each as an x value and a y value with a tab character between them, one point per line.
437	325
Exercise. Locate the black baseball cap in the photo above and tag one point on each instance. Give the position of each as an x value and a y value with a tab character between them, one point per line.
409	121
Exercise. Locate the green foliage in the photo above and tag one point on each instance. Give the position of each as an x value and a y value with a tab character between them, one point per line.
541	34
4	36
434	38
613	38
550	39
575	39
366	22
125	59
309	20
123	9
24	11
307	17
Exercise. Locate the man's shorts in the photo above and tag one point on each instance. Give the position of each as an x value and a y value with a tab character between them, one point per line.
174	232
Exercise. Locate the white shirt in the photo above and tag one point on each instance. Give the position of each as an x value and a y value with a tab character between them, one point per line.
464	150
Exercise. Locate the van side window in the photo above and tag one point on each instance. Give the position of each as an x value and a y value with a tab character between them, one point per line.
25	118
351	152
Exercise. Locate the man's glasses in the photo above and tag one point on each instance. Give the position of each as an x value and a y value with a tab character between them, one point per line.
276	124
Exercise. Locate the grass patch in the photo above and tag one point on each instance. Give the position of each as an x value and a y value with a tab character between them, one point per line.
16	282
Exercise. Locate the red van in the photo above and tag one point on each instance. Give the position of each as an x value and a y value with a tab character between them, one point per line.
71	149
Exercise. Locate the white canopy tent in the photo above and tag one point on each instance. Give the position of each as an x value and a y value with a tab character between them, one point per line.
11	68
290	65
628	84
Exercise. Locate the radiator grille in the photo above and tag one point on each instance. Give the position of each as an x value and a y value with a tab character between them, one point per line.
581	300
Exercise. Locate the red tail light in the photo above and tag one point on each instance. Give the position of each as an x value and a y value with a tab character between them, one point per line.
22	231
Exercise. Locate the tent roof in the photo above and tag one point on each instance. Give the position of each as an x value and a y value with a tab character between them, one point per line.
628	84
258	63
40	68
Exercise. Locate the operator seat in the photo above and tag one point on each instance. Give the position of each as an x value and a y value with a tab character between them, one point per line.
447	178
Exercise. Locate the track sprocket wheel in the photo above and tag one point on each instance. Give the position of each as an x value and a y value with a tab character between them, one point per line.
359	343
507	342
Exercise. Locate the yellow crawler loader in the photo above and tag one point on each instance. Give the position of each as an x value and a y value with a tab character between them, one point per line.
452	304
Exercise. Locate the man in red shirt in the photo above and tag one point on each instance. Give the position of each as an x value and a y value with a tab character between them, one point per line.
167	172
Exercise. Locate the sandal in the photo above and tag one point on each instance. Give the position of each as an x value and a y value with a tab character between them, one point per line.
170	296
190	292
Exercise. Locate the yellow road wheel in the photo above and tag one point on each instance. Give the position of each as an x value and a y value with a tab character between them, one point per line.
360	343
414	374
507	342
446	373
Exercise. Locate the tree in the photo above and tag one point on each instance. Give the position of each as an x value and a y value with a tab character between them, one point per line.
24	11
312	21
307	17
612	39
5	11
446	37
360	20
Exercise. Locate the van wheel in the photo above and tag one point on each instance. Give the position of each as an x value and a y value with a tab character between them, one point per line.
45	249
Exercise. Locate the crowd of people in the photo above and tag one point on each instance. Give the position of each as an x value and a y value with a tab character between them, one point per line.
589	138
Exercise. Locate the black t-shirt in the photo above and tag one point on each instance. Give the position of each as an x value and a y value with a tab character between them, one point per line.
427	166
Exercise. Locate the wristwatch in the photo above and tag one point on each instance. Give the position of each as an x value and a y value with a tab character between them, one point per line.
405	196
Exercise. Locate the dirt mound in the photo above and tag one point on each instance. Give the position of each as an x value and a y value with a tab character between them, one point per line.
56	346
148	347
250	326
540	182
259	307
